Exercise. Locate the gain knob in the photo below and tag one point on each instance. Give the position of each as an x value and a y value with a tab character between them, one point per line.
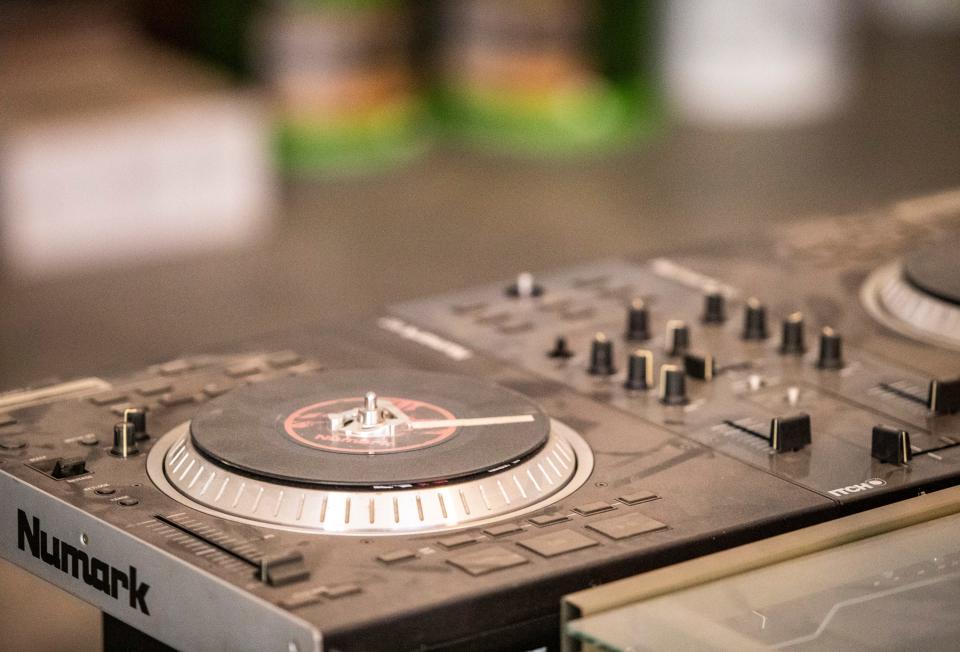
831	349
714	308
754	320
138	418
525	287
601	356
638	321
673	385
639	370
678	337
792	340
124	442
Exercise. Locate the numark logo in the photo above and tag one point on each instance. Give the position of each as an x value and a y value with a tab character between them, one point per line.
71	561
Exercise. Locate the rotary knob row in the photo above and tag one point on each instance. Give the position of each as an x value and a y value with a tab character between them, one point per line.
639	370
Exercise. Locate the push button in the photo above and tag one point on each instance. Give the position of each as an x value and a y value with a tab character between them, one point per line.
637	497
487	560
503	530
340	591
108	398
154	387
593	508
557	543
458	541
397	556
549	519
626	526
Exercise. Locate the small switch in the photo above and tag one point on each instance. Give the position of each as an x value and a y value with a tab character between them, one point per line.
890	445
561	349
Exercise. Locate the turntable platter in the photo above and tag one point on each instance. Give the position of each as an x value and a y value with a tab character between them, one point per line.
370	452
428	428
936	271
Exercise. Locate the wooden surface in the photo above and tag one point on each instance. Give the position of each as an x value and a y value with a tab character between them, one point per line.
457	218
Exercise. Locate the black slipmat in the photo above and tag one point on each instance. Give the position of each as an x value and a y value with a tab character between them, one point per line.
244	429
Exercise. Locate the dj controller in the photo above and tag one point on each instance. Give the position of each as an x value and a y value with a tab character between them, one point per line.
442	474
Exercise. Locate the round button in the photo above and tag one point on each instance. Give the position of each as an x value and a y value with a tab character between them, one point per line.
89	439
128	502
105	491
12	445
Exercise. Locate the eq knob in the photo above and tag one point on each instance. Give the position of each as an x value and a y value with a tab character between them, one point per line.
792	339
638	321
639	370
673	385
525	287
678	337
714	308
124	442
601	356
138	418
754	320
831	349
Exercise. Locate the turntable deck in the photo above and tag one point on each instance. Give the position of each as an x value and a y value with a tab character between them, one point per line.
442	475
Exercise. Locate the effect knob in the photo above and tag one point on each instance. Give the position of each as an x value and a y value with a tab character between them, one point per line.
124	442
137	417
639	370
792	340
754	320
601	356
831	350
673	385
678	337
714	308
638	321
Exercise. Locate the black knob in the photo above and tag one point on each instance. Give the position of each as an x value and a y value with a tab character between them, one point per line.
678	337
943	397
714	308
831	349
601	356
890	445
560	349
138	418
639	370
124	442
638	321
792	341
673	385
754	320
790	433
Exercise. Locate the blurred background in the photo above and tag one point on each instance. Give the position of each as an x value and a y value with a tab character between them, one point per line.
177	174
